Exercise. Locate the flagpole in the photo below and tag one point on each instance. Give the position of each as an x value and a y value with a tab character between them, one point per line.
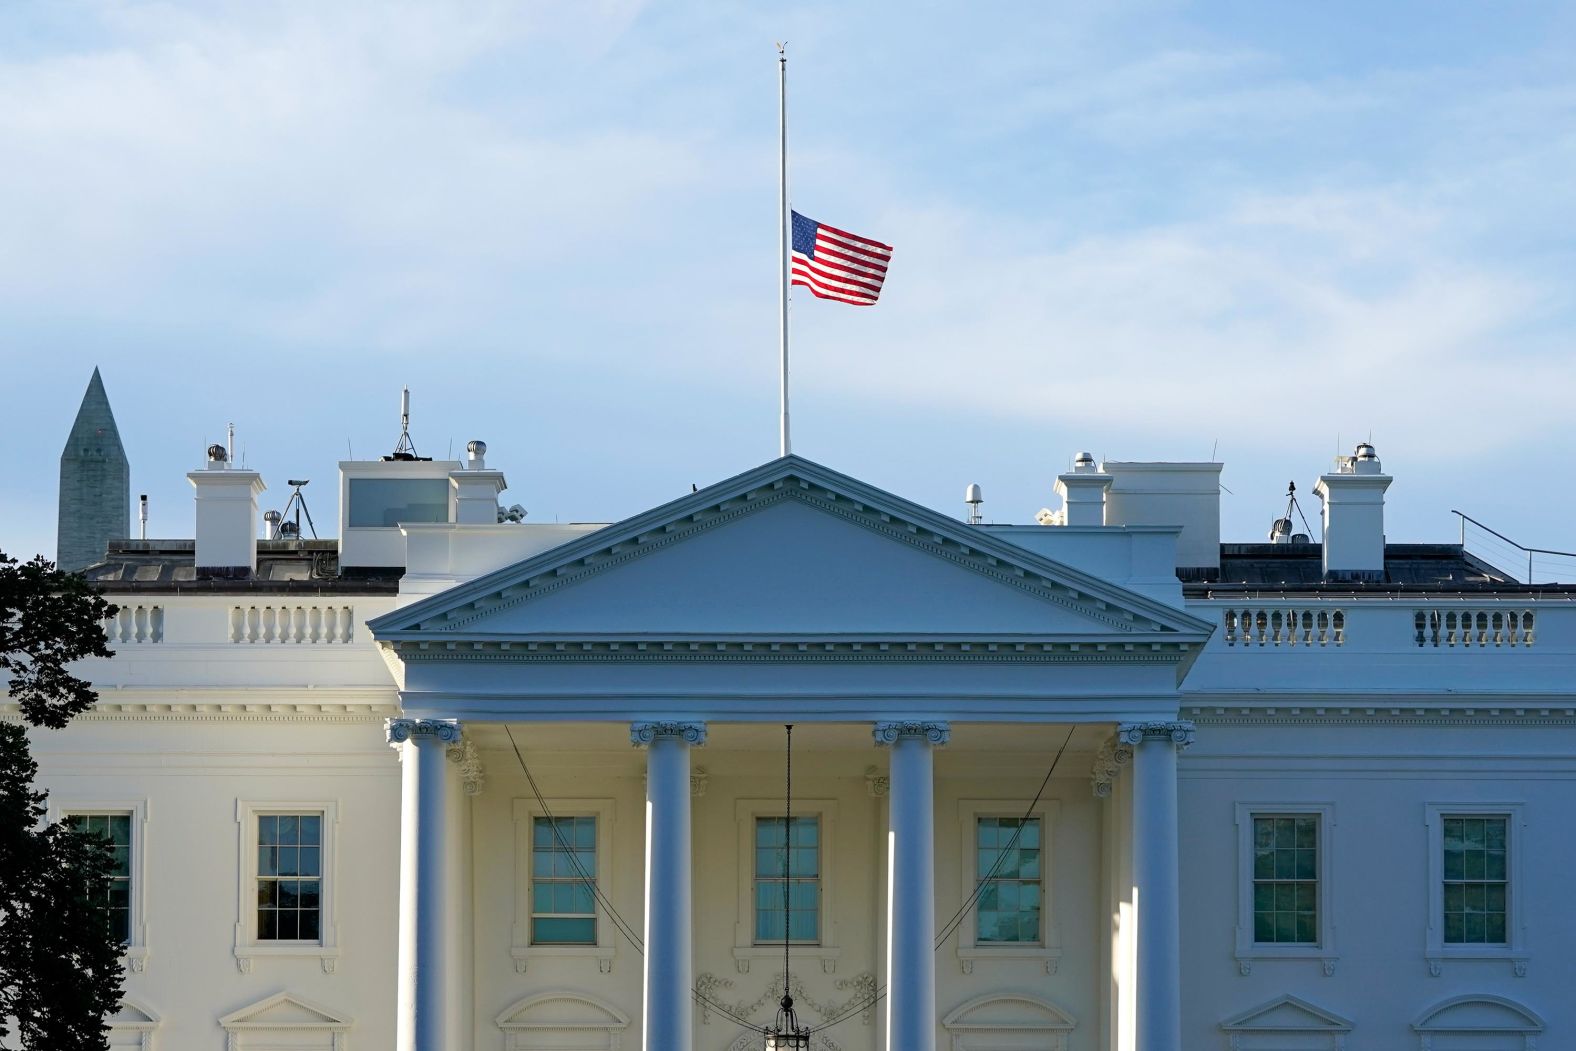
783	234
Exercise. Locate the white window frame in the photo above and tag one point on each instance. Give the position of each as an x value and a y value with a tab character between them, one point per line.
135	955
1437	949
1247	949
248	947
526	811
1048	951
745	949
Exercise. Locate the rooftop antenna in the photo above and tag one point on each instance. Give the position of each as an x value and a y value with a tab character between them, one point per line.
281	526
229	442
1281	528
404	449
142	517
973	497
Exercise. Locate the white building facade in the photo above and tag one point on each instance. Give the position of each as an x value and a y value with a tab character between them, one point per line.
1099	783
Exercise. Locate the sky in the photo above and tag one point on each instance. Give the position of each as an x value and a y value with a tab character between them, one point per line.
1259	232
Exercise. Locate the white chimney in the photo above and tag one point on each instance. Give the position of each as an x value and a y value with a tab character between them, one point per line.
1083	493
476	488
1354	516
226	504
1170	494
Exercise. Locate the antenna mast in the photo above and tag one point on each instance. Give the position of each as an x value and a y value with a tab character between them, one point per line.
404	449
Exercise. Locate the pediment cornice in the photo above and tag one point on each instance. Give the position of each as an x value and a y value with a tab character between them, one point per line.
458	613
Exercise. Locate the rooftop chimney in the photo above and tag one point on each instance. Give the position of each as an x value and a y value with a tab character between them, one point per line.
1353	498
1083	493
226	517
476	488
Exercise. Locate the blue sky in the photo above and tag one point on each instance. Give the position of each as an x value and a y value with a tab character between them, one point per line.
1150	230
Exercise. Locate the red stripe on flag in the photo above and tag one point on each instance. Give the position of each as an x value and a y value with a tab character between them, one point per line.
854	237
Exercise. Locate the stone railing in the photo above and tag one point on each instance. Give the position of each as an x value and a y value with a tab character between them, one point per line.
1468	628
1283	626
136	624
298	624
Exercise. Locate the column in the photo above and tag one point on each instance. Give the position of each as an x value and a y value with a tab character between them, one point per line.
421	1011
667	1009
1155	880
911	883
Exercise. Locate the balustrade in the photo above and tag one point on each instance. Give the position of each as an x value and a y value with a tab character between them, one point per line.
298	624
1473	627
1277	626
136	624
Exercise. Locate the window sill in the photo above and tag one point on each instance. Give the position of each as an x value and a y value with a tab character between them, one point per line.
1050	958
1248	956
827	954
327	955
524	954
1437	956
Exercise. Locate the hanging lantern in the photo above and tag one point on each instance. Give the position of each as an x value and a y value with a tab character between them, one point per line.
787	1034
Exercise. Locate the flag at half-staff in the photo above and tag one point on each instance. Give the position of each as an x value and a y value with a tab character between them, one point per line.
835	264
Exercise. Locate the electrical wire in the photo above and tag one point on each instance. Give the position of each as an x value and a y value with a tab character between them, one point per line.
636	943
618	921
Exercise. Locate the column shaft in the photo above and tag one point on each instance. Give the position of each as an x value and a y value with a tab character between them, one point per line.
911	884
1155	882
422	1011
668	1017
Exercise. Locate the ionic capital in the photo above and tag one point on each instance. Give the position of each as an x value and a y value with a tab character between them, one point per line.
398	731
932	732
1108	763
1180	734
693	733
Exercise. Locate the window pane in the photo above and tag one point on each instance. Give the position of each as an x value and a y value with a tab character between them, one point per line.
267	924
392	501
309	925
563	931
311	830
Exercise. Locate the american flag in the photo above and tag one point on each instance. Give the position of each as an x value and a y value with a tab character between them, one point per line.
835	264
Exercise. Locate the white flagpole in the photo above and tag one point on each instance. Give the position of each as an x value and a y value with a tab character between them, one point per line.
783	234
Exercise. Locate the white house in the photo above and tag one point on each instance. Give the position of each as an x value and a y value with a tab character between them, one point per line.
1098	783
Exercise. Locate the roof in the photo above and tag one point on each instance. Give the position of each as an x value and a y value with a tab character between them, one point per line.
305	567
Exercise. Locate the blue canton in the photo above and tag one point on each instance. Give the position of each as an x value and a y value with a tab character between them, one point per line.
804	235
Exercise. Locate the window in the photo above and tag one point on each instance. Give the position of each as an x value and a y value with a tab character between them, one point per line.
115	829
1476	884
563	859
1286	879
383	502
1285	863
124	823
807	846
1008	864
1004	847
787	851
555	912
1474	911
289	877
285	885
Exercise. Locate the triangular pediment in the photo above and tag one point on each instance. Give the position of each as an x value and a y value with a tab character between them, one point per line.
1287	1014
283	1011
132	1015
790	549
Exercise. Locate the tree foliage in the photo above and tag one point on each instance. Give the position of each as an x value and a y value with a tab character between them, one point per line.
47	620
60	970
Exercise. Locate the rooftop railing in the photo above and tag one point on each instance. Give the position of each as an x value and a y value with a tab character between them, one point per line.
1526	564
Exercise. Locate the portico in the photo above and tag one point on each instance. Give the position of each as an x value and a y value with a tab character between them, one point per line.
909	647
